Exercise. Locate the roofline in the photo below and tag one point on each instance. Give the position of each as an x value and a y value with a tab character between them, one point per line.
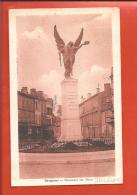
97	94
34	97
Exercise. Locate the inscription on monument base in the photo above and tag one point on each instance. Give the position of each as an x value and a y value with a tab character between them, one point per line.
70	122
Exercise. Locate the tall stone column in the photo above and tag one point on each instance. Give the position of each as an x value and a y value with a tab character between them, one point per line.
70	122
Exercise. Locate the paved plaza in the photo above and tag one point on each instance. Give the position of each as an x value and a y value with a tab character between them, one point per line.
86	164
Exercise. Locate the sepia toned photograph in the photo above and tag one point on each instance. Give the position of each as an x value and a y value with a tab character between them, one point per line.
65	96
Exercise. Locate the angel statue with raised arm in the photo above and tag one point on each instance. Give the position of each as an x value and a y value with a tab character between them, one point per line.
68	51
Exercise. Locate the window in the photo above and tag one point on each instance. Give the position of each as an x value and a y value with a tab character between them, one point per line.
49	111
93	131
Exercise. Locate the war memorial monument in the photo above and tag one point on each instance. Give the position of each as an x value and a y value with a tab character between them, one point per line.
70	122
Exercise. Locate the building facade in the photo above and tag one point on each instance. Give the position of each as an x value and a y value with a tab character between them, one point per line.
35	113
97	114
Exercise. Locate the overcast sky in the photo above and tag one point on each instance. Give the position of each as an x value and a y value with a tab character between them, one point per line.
38	60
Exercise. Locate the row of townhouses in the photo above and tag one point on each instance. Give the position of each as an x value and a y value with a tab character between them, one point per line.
97	113
37	119
35	114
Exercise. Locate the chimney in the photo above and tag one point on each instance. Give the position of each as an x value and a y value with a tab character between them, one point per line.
107	88
24	90
82	99
33	92
98	88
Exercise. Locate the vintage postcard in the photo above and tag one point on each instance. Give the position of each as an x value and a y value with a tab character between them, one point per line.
65	96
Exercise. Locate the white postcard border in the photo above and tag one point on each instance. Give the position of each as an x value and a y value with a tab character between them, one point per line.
15	180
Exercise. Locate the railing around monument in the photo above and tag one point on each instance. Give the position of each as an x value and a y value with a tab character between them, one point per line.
41	147
105	140
33	147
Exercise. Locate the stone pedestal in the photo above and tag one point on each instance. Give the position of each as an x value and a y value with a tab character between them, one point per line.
70	122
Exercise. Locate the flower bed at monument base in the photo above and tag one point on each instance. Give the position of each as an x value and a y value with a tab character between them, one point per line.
65	147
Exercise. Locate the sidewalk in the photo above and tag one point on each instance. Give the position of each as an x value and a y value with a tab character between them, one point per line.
54	158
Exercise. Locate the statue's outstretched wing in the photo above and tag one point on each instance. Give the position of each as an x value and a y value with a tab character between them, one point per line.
58	39
79	39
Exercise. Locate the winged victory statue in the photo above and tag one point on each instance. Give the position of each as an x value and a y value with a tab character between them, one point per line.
68	51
